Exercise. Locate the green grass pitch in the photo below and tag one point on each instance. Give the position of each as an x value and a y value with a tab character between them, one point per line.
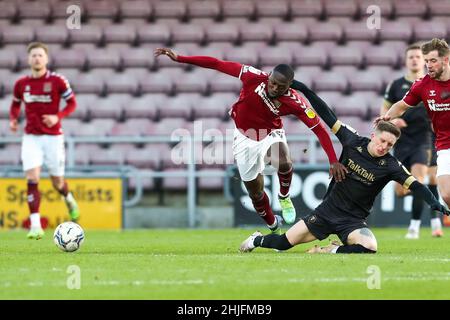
205	264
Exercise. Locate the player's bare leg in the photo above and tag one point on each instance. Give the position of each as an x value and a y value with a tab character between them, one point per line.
261	203
419	171
443	183
34	200
62	187
358	241
435	221
280	159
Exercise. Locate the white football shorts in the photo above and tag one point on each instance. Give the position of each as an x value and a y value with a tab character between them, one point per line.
443	162
48	150
250	155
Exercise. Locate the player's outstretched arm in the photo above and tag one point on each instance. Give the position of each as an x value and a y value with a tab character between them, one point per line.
324	111
228	67
419	189
395	111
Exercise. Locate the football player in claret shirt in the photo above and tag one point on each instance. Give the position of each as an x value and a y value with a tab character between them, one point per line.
415	147
43	141
434	91
263	99
347	204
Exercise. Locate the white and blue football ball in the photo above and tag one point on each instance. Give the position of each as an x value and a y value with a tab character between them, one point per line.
68	236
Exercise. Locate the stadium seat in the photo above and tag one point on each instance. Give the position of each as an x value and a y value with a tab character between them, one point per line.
8	11
122	83
354	105
84	103
103	58
272	8
146	106
330	97
293	126
366	81
87	34
145	158
222	32
310	56
170	9
68	58
120	33
154	33
203	124
244	55
439	8
5	104
274	55
378	55
396	30
238	8
203	9
359	31
415	8
101	9
105	108
10	155
334	8
187	33
34	10
52	34
345	56
329	81
83	153
306	74
215	106
70	125
306	8
426	30
59	13
167	126
210	183
287	32
135	9
325	32
158	83
193	82
111	156
386	8
8	59
12	34
256	32
8	79
88	83
137	57
131	127
97	127
180	106
225	83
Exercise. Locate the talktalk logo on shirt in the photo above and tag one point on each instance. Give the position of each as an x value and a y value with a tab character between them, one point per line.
29	98
260	90
438	106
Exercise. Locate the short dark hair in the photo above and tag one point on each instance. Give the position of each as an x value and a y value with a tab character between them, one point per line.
414	46
286	70
436	44
34	45
388	127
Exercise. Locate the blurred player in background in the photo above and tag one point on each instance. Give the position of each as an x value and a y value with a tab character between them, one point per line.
347	204
434	91
259	130
43	141
414	147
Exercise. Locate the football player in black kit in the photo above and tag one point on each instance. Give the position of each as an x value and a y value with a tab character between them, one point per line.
347	204
414	148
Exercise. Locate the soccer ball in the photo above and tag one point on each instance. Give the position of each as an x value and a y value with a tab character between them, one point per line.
68	236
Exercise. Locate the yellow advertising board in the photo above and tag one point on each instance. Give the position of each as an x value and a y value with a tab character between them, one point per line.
99	200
